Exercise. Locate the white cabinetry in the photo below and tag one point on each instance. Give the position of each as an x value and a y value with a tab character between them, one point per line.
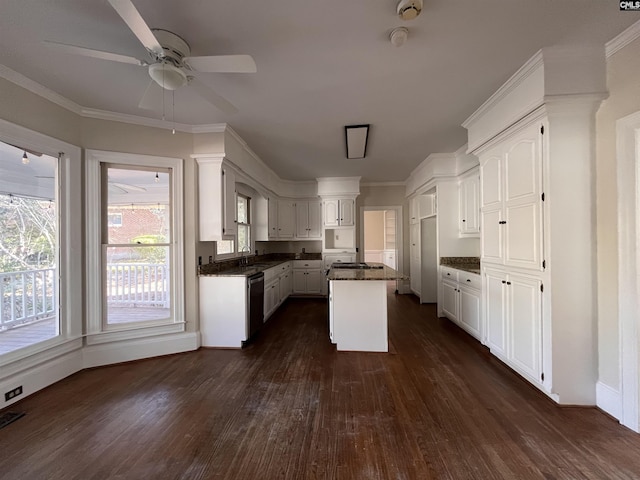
414	258
339	212
307	277
462	299
512	200
469	192
514	320
216	200
281	219
277	287
223	311
308	219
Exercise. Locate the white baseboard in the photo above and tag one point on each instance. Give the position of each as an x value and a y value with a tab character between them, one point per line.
139	348
41	376
609	400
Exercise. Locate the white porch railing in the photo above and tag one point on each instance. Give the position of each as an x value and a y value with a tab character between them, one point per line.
27	296
135	284
30	296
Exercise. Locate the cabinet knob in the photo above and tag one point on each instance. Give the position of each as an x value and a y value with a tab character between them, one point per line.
463	220
508	283
448	274
468	280
504	281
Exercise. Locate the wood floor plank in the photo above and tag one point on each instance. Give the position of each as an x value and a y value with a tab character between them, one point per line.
289	406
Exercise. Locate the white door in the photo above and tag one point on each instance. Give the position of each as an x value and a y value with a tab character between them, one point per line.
302	219
470	311
314	281
347	212
273	218
525	321
414	258
315	220
491	238
495	305
332	213
299	281
286	219
469	206
491	179
450	300
522	202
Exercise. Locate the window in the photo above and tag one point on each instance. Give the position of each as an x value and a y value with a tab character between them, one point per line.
244	223
135	249
28	249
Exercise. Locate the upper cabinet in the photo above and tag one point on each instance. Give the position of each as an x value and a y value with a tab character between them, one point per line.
339	212
511	175
308	219
281	219
422	206
217	199
469	193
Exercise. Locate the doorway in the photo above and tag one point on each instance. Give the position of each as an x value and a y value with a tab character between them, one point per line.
381	236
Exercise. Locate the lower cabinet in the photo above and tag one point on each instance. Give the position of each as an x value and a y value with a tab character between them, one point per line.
513	310
278	286
462	299
307	277
271	297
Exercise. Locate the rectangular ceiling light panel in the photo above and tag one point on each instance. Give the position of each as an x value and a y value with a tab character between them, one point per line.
356	136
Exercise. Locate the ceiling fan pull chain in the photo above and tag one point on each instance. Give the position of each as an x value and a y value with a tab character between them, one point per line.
173	111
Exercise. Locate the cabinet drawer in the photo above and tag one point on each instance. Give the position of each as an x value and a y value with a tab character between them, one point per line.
307	264
470	280
449	273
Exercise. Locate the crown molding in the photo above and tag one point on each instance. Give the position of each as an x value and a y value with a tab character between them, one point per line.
623	39
40	90
511	84
383	184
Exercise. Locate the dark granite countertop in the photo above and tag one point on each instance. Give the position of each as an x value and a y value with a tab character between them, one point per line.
466	264
258	263
384	273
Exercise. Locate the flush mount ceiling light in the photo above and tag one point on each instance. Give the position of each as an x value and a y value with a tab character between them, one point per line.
356	137
398	36
409	9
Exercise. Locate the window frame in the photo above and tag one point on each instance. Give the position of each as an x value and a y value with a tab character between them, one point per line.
98	331
243	224
70	211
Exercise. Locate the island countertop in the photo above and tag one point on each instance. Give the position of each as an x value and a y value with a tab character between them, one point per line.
384	273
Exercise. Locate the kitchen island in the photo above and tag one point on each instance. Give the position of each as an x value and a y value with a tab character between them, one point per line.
358	306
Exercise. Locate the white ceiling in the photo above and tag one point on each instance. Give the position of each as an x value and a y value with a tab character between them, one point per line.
321	65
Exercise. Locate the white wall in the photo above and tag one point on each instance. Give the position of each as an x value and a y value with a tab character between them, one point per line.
623	74
373	230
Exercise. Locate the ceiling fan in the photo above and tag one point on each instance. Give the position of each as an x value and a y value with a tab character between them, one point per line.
169	64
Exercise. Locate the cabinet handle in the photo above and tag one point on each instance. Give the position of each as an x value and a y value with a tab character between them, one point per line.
504	281
448	274
508	283
464	220
502	222
468	280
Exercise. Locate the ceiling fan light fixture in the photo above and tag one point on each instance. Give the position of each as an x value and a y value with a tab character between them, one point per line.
167	76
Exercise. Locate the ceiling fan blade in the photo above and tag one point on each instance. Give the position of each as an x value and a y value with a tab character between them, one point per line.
212	97
152	97
87	52
222	64
138	26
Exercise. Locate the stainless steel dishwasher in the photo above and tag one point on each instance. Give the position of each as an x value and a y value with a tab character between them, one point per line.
255	299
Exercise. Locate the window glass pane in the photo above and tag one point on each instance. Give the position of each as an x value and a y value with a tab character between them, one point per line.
243	209
244	244
137	284
138	206
28	248
224	247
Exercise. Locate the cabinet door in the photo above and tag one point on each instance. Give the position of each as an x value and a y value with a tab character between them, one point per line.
315	220
302	220
347	212
450	300
286	219
491	238
491	178
331	213
469	315
273	218
525	324
230	207
469	206
523	203
414	216
299	281
495	307
314	281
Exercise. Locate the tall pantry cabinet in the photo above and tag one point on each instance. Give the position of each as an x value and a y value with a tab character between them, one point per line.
534	140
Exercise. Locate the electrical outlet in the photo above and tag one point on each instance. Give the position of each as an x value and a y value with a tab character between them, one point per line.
13	393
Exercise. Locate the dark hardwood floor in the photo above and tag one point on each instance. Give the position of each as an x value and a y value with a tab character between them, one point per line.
291	407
